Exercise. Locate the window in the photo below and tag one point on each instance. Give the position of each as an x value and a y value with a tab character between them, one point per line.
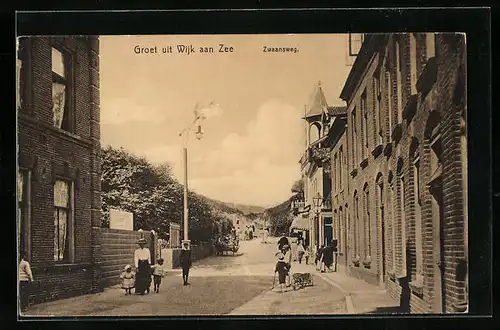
403	224
378	106
335	169
341	166
417	273
413	63
356	223
389	104
398	82
19	82
430	45
354	138
393	227
364	123
63	221
436	156
23	210
340	231
61	89
367	226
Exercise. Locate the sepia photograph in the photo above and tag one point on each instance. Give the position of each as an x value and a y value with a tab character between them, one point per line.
242	174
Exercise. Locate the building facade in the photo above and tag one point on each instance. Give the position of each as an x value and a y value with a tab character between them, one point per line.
325	126
406	213
59	198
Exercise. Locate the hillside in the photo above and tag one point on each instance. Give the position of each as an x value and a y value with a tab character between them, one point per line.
236	208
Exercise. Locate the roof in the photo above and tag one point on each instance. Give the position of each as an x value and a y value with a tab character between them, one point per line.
371	44
337	110
318	103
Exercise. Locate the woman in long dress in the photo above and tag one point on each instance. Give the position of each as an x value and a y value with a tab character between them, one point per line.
142	259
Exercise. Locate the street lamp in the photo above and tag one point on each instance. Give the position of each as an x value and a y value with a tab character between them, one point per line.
317	200
199	115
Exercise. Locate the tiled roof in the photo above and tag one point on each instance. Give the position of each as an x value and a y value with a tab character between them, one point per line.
318	103
337	110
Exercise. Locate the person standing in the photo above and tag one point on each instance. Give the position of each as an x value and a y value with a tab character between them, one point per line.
185	262
300	251
142	259
287	252
25	280
293	247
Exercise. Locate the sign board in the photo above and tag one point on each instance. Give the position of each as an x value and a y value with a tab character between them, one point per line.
119	219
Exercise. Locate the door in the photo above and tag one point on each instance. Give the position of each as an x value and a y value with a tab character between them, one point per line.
438	246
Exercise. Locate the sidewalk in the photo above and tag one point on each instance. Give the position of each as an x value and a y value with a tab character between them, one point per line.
320	299
361	297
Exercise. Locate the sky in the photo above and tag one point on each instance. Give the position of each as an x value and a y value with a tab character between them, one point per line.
252	144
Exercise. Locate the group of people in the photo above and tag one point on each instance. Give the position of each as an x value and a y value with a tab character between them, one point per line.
140	279
293	249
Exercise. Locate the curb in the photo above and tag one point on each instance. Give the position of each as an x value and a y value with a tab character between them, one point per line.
348	298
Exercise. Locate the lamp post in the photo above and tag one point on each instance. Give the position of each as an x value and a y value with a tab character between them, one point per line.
199	115
317	201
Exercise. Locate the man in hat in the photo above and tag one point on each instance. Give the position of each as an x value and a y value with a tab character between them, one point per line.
185	261
142	259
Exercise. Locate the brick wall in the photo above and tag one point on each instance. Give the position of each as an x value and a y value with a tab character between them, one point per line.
50	153
117	251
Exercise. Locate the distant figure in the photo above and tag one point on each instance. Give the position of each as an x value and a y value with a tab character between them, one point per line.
142	259
300	251
128	280
25	280
293	248
282	269
158	274
319	256
185	261
327	259
307	254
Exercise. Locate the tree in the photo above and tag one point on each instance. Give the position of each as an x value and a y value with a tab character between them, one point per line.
155	197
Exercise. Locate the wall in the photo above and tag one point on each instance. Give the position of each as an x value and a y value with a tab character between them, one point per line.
117	248
171	256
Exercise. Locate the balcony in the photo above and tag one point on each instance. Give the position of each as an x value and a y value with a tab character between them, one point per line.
320	155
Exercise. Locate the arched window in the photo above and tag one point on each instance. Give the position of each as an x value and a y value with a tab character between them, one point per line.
314	132
402	210
367	223
356	224
340	237
391	203
380	198
416	267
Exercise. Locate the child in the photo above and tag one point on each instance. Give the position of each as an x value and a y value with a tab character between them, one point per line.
307	253
128	280
282	269
25	278
158	273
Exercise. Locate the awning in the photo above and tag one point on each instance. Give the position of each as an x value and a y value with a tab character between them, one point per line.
300	222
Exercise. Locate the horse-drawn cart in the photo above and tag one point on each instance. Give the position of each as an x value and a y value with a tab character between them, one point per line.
226	246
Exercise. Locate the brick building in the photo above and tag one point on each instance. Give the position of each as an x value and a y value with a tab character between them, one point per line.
406	159
58	157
